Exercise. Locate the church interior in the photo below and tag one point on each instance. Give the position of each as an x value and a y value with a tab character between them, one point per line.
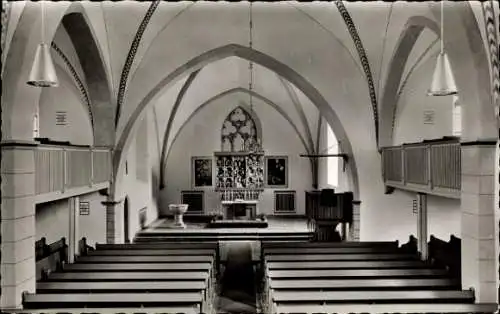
250	157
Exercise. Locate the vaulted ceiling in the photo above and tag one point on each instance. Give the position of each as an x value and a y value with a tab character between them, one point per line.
140	43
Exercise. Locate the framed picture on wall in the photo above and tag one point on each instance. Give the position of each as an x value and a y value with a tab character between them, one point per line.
201	172
276	171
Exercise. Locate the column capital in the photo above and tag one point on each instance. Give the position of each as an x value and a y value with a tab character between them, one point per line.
111	203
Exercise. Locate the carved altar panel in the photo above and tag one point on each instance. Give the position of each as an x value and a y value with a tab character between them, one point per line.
237	171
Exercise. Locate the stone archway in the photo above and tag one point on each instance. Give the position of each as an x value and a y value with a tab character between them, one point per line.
19	100
267	101
251	55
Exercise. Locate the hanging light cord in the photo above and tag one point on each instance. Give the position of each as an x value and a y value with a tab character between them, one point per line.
250	65
43	22
442	27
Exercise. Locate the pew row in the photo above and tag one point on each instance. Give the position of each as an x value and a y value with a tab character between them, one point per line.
347	244
201	266
104	300
119	287
161	245
345	265
360	284
338	257
161	252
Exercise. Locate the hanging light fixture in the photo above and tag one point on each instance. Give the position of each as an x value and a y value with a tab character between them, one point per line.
43	73
253	147
443	83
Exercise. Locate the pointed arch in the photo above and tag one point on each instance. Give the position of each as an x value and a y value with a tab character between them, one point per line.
251	55
228	92
71	16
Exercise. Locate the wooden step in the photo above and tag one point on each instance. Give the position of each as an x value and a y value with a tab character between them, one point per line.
127	276
138	267
120	287
360	284
338	257
145	259
402	308
438	296
206	252
356	273
346	265
111	300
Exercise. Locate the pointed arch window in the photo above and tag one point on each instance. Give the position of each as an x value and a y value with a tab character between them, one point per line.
239	132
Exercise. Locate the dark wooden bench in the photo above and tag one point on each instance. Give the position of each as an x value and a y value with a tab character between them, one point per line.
402	308
106	300
330	250
446	254
50	257
330	244
438	296
202	266
346	265
119	287
367	284
128	276
356	273
339	257
83	247
146	259
153	246
410	247
169	252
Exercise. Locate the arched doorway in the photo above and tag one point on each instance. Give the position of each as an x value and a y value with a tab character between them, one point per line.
126	221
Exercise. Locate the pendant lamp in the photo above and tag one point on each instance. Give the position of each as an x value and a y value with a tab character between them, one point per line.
43	73
443	82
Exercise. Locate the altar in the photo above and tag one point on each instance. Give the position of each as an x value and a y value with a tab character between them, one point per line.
240	209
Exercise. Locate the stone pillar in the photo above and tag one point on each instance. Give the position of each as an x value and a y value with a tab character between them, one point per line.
478	219
354	232
422	225
17	223
111	231
74	205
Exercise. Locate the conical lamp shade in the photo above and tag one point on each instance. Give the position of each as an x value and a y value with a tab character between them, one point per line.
43	73
443	83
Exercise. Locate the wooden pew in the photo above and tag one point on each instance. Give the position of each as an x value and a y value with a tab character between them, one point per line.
146	259
116	310
367	284
329	244
128	276
402	308
357	273
50	257
83	247
119	287
330	250
338	257
439	296
169	252
346	265
410	247
446	254
104	300
202	266
162	245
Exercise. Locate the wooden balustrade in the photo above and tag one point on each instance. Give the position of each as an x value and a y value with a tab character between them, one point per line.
432	167
59	168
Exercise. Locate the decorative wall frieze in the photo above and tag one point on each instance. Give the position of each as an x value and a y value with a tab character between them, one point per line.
131	56
364	61
78	81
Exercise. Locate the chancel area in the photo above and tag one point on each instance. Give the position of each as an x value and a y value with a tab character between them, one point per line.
250	157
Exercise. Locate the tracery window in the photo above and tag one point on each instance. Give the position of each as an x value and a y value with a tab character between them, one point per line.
239	132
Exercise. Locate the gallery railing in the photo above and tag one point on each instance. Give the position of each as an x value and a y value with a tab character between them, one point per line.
61	168
432	167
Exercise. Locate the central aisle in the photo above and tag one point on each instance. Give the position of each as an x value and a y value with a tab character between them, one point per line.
238	280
